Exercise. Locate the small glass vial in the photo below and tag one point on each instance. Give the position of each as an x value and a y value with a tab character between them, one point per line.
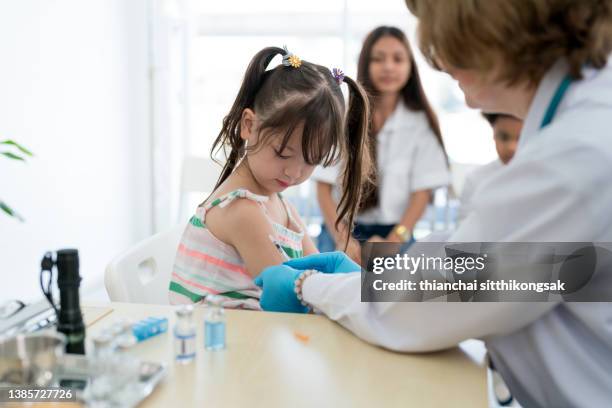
214	324
122	332
184	335
101	385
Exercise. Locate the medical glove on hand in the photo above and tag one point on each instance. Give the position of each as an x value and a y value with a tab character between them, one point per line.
278	293
327	262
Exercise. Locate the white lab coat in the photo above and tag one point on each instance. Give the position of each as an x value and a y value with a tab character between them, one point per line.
409	159
556	188
472	181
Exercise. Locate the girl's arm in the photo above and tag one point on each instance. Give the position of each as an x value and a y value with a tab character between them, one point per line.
416	207
328	208
244	226
307	245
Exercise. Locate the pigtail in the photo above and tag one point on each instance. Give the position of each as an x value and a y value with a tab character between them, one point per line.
229	136
357	163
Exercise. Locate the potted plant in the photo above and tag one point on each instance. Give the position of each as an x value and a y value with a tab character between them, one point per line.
14	151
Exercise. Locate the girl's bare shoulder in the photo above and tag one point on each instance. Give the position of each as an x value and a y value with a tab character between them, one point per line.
229	222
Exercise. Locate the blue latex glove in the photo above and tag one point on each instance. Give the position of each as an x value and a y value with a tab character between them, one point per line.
327	262
278	294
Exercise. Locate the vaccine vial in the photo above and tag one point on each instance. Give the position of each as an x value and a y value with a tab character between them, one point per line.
123	334
184	335
214	324
102	381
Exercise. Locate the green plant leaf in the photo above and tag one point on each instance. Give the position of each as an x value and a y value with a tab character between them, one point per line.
12	156
18	146
4	207
11	143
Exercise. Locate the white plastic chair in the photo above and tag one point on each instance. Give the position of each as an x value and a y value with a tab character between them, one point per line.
198	175
142	273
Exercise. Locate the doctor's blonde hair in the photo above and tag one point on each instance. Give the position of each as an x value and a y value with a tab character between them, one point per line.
528	35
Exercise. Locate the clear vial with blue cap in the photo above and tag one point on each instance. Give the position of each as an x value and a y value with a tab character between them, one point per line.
214	324
184	335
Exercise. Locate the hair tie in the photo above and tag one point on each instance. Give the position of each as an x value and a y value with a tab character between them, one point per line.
291	60
338	75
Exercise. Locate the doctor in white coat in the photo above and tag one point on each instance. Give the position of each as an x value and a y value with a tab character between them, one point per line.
544	61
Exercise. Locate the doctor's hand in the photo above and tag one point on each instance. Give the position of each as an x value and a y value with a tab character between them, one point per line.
277	284
327	262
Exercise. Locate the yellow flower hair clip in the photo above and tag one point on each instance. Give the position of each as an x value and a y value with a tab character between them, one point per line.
291	60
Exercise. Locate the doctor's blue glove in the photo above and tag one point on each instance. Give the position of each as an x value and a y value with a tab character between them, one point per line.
278	294
327	262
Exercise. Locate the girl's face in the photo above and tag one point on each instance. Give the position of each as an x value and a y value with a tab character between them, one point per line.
272	169
506	133
390	65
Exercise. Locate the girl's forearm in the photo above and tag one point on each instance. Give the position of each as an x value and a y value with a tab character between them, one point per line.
328	209
416	208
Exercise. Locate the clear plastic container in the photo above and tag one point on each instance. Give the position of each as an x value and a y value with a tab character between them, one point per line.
114	369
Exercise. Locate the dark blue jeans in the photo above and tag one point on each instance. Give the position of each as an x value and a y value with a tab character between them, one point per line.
362	232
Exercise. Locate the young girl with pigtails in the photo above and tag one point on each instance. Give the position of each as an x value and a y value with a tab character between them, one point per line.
283	123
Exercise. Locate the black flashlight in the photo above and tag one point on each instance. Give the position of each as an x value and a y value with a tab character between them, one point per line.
69	316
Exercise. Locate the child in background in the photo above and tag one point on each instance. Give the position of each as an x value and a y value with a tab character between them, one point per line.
406	142
506	133
283	123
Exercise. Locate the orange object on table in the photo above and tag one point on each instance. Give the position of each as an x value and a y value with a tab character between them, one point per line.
301	337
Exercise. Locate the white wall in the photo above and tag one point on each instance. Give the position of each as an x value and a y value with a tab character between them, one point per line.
73	89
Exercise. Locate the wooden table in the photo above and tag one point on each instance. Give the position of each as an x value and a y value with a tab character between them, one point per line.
290	360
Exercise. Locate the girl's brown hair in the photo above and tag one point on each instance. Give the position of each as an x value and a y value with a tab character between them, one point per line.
529	36
284	98
412	95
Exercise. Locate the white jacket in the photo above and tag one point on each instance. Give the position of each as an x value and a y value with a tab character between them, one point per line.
408	159
471	184
557	188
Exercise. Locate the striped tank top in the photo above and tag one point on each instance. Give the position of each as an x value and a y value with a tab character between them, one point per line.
205	265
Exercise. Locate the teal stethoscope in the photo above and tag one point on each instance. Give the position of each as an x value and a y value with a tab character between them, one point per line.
555	101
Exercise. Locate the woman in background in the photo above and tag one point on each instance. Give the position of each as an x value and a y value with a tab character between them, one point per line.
405	141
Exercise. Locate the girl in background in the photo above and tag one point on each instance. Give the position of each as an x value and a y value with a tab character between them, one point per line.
506	133
283	123
405	141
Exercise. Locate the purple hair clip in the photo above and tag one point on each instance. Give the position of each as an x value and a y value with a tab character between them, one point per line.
338	75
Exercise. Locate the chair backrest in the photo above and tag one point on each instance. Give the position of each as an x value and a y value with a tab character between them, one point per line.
142	273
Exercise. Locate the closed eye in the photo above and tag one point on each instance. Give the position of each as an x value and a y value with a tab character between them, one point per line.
278	153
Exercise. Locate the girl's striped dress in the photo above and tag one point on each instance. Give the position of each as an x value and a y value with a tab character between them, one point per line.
204	264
